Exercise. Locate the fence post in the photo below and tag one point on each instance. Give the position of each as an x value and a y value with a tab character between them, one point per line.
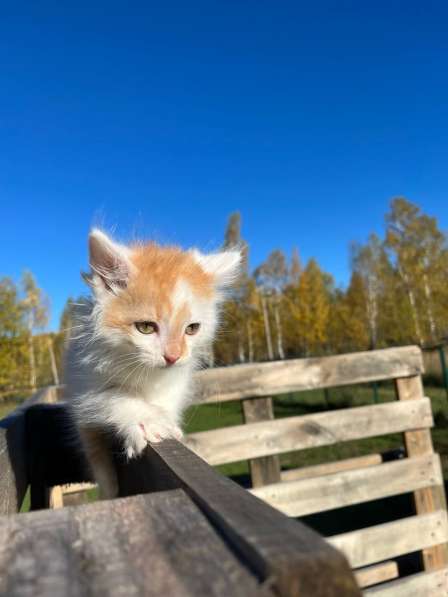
264	470
419	443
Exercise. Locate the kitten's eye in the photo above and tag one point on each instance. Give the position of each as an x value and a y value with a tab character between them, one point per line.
192	329
146	327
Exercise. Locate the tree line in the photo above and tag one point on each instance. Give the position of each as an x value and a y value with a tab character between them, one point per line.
397	294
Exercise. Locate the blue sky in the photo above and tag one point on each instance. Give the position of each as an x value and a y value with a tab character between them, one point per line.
158	121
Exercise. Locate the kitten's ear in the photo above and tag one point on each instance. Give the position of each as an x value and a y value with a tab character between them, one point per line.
109	263
223	266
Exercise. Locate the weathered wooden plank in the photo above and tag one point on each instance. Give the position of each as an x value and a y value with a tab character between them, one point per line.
73	494
266	469
308	431
13	464
328	468
372	575
283	554
419	442
281	377
424	584
148	545
385	541
307	496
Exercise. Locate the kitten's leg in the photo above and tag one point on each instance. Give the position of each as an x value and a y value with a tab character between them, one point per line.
100	459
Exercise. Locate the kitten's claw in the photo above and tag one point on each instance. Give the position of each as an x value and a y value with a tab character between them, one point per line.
138	436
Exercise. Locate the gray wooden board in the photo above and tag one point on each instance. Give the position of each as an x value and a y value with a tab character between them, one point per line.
241	442
307	496
283	553
13	468
280	377
158	544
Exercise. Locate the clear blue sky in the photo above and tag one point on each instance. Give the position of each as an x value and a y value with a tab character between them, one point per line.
158	119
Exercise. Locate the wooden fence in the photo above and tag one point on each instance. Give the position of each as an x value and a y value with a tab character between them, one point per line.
181	530
372	551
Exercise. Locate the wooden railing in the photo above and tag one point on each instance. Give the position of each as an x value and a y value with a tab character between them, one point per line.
203	535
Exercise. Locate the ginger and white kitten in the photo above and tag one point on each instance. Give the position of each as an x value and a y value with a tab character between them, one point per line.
129	367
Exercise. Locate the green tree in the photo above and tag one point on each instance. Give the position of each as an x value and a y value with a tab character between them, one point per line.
12	337
35	307
418	251
311	309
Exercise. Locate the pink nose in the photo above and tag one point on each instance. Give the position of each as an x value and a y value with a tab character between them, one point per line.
170	359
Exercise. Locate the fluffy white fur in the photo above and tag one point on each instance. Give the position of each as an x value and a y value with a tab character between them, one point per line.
120	382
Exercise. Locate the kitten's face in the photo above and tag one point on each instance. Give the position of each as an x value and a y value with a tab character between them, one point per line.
158	304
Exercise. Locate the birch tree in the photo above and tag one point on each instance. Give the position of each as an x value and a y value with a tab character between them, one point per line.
35	306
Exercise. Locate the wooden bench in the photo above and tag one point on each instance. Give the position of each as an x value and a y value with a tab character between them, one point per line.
372	551
180	529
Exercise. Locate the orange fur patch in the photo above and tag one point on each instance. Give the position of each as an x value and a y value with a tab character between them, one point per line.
150	288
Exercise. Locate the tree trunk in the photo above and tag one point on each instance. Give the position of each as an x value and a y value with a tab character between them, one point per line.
54	369
267	328
241	355
372	312
278	326
32	356
413	304
250	342
428	294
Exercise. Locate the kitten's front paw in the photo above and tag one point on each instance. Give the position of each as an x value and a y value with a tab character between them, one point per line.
149	431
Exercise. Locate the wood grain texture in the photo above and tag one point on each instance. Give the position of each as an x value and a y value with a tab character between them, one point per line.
425	584
372	575
266	469
281	377
307	496
282	553
13	464
150	545
385	541
328	468
253	440
419	442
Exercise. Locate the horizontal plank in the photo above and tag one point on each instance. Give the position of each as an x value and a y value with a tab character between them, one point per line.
307	496
280	377
289	558
327	468
242	442
148	545
386	541
372	575
76	487
424	584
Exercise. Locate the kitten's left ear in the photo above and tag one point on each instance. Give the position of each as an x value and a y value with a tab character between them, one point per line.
223	266
109	262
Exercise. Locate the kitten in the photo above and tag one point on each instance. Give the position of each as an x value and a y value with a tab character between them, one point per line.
152	316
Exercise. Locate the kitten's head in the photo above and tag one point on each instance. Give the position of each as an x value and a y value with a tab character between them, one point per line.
157	302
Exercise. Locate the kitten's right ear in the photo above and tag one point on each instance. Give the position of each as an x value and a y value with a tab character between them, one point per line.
109	262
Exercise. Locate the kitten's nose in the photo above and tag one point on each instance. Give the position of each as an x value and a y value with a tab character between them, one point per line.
170	359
